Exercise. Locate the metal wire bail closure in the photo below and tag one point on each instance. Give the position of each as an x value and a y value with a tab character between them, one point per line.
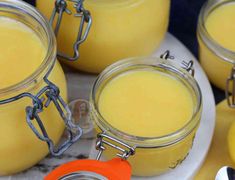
125	150
188	66
231	80
47	95
85	24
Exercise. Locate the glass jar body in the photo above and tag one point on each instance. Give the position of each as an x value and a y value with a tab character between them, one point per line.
120	30
217	69
20	148
215	60
153	161
154	155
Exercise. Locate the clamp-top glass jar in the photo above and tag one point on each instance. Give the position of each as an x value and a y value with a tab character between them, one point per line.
217	51
33	112
159	128
120	29
216	41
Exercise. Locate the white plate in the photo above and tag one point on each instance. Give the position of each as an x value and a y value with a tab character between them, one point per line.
79	87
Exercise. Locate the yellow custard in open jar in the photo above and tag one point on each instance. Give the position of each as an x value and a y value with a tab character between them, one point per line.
152	105
120	29
32	89
216	40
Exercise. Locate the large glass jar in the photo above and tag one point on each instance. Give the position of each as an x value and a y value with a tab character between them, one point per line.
120	29
29	108
215	59
154	155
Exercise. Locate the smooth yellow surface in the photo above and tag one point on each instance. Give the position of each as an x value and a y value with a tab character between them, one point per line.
149	104
21	54
218	155
146	103
220	26
120	29
231	141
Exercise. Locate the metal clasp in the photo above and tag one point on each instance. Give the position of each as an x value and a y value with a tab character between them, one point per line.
47	95
85	24
231	80
188	66
166	55
103	139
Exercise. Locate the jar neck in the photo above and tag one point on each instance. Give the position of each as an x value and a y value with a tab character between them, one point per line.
165	66
204	36
28	15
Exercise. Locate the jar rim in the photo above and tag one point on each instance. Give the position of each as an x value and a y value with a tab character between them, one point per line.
50	57
148	142
208	7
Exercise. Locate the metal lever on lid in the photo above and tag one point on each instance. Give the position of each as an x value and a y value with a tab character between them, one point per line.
125	150
231	80
188	66
166	55
85	24
48	94
116	168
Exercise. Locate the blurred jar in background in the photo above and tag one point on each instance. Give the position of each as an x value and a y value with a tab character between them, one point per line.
120	29
216	41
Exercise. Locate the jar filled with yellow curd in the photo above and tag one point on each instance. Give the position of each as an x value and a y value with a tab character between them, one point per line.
217	52
216	41
120	29
152	106
33	113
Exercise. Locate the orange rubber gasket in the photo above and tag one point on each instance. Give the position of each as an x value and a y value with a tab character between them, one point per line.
114	169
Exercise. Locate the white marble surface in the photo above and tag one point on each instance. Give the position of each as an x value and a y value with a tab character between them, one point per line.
79	88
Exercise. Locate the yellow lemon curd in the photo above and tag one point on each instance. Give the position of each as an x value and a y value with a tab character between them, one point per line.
149	104
220	27
22	52
120	29
231	141
143	100
218	155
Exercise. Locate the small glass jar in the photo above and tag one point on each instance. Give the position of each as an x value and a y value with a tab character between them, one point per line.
216	60
156	155
32	112
120	29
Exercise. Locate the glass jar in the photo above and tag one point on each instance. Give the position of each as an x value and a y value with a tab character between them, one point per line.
153	155
217	54
216	60
33	113
120	29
